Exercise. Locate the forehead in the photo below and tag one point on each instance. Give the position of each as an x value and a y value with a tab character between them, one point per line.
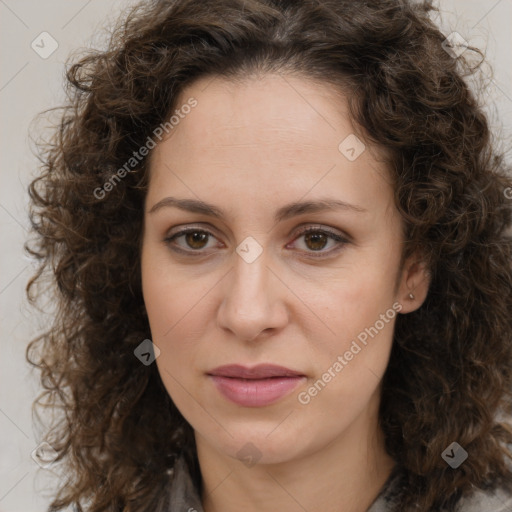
266	133
276	110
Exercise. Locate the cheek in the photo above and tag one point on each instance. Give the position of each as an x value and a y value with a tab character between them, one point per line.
171	296
178	307
173	309
350	365
350	304
360	311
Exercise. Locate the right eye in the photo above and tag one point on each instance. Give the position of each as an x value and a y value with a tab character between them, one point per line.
193	240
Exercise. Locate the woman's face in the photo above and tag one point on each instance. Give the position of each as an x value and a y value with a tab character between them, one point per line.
246	286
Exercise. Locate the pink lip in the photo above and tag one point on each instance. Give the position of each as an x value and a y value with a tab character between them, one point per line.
255	387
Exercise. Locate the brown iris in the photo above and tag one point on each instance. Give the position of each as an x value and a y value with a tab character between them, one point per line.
196	239
315	241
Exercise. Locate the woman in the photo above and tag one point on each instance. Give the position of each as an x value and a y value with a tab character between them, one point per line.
278	234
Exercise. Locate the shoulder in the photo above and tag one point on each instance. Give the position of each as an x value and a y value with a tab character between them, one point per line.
495	500
498	500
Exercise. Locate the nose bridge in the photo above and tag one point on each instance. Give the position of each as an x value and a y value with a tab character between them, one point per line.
250	280
250	304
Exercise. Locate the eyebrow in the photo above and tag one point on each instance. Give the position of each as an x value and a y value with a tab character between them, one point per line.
285	212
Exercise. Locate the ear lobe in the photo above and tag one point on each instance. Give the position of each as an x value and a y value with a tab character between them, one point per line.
414	285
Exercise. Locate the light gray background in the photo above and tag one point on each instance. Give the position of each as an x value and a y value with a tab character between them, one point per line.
30	84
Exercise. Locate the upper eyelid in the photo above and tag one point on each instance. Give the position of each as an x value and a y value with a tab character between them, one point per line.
182	230
299	229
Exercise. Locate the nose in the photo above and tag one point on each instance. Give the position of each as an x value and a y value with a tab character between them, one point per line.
254	302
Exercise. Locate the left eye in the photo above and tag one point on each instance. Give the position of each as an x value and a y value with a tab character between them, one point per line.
314	240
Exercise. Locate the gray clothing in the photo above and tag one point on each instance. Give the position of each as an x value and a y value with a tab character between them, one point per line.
185	497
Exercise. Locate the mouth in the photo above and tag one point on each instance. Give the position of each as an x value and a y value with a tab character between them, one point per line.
255	387
261	371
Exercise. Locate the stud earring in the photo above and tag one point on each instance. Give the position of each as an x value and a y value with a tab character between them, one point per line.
411	296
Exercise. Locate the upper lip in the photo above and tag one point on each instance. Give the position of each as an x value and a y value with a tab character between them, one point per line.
261	371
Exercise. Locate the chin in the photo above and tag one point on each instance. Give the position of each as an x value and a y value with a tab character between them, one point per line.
262	445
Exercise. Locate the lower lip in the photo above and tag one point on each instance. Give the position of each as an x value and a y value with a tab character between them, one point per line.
256	392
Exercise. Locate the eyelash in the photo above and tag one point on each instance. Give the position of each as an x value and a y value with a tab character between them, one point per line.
341	240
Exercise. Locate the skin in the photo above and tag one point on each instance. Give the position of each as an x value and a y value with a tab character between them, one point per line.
258	145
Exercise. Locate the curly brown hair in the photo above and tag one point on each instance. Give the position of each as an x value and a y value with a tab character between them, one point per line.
450	373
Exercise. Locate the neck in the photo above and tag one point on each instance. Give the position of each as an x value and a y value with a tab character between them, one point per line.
347	474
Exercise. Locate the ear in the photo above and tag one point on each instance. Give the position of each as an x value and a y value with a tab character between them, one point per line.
414	284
